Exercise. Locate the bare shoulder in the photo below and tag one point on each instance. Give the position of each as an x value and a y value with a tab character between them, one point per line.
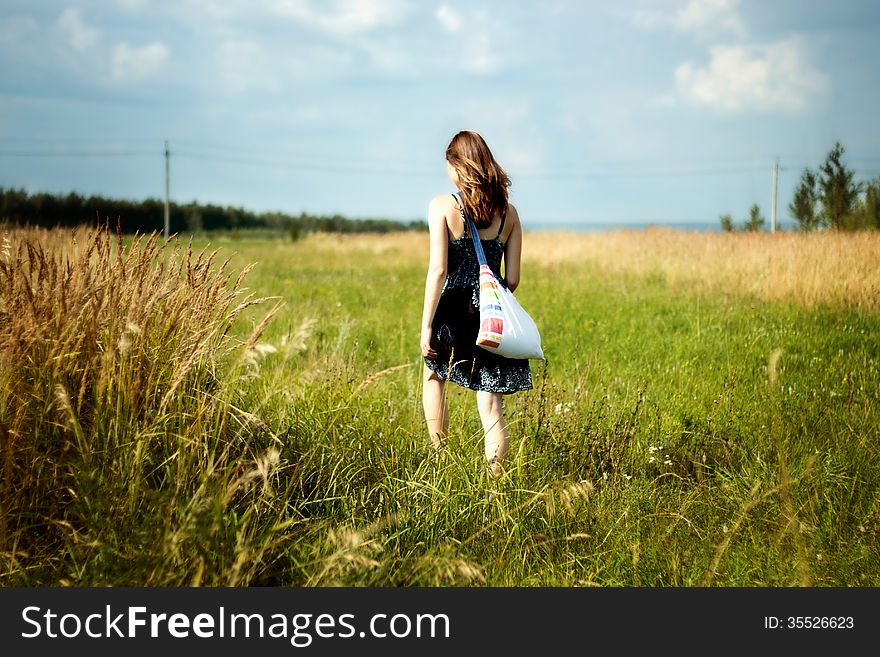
442	202
512	215
440	209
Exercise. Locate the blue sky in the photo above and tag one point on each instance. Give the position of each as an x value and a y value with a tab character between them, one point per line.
629	111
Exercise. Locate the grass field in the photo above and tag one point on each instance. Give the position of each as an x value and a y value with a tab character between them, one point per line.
707	415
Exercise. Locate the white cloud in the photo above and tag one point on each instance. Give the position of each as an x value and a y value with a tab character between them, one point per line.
702	19
79	35
775	76
480	56
343	18
129	63
448	18
741	75
475	50
359	35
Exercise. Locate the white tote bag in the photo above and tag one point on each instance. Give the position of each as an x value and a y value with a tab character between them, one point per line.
505	327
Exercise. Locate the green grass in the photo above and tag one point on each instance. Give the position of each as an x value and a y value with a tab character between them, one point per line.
699	470
655	449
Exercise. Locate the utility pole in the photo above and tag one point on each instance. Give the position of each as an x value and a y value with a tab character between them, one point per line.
167	190
773	197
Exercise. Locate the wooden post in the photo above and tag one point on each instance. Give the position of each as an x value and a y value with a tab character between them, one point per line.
167	190
773	198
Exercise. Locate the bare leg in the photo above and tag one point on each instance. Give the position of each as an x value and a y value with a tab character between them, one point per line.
436	411
495	427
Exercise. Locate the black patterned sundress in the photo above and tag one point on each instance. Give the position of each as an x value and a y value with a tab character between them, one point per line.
457	322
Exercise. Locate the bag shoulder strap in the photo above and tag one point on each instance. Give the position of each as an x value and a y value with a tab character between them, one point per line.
478	246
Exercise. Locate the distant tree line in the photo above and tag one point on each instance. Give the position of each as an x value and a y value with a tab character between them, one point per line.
828	197
53	210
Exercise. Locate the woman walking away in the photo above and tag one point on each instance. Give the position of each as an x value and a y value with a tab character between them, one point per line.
451	317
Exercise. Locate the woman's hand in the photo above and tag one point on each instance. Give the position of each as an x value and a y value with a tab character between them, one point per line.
427	349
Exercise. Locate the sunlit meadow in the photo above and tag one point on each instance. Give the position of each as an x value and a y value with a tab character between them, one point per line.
706	416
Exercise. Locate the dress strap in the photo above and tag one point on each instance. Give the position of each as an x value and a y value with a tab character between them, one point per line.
501	227
460	205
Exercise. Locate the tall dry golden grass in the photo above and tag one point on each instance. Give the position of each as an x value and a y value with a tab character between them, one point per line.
108	380
824	267
831	267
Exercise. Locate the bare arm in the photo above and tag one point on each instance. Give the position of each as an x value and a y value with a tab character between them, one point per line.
513	250
437	261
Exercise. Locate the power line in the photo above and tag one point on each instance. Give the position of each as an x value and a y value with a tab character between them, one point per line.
78	140
343	169
324	167
604	175
281	164
78	153
570	175
201	146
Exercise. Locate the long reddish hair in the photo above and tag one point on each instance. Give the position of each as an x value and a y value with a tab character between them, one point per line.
482	181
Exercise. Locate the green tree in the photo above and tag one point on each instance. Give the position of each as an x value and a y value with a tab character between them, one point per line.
193	218
803	206
727	223
838	193
295	230
870	206
755	221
